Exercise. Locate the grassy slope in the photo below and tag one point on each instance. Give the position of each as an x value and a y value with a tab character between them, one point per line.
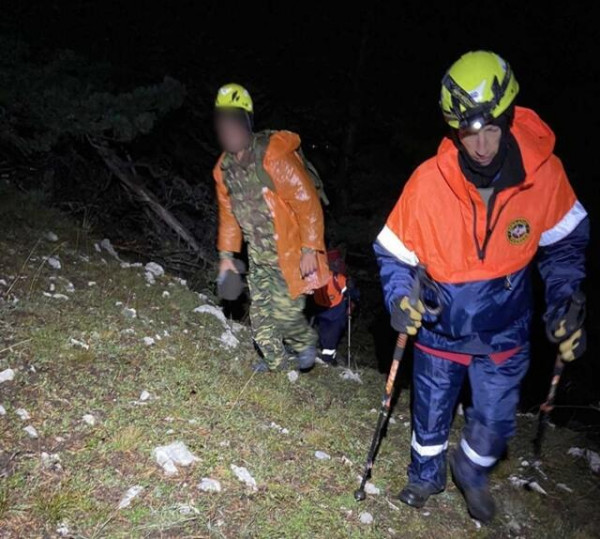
207	398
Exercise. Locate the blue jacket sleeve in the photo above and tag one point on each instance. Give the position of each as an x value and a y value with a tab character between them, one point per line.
562	267
396	276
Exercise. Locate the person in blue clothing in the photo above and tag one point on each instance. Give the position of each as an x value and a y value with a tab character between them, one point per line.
494	200
334	302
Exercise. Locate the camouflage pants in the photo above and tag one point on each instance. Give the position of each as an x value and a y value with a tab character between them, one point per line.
276	317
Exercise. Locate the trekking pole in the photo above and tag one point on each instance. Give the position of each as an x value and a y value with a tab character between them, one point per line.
349	332
574	320
386	402
547	407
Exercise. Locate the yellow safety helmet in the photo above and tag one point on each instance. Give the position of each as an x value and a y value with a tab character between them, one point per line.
477	89
234	96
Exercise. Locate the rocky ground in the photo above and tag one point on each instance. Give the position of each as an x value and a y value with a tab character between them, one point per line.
128	409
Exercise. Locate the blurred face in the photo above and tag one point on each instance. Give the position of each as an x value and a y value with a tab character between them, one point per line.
483	145
232	131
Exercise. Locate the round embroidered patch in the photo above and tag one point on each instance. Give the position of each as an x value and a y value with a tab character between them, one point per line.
518	231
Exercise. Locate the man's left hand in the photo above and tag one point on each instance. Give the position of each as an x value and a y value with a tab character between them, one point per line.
308	264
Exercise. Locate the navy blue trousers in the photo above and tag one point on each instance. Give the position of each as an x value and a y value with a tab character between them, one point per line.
331	324
490	421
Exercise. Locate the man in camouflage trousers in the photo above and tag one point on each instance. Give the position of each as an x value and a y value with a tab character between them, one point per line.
267	198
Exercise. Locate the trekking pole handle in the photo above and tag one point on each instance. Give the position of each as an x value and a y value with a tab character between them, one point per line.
573	318
415	292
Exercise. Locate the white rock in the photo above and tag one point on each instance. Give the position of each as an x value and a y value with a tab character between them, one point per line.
89	419
129	496
293	376
23	414
534	485
148	341
54	262
517	481
97	247
128	331
321	455
129	312
69	288
149	278
209	485
527	484
244	476
347	374
406	424
365	518
370	488
182	282
52	287
592	457
186	509
107	246
63	529
278	428
31	431
524	463
564	487
214	311
460	410
228	339
168	456
55	296
165	294
155	269
3	282
392	421
91	283
144	395
7	375
2	410
79	344
51	461
346	461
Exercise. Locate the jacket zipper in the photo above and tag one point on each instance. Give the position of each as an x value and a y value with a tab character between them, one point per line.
489	229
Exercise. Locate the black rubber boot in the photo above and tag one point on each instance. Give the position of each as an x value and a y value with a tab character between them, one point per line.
480	502
306	359
416	495
262	366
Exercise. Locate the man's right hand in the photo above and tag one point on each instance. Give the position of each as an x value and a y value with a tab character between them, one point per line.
407	318
226	265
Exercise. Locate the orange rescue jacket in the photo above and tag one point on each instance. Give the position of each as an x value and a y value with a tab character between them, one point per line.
296	211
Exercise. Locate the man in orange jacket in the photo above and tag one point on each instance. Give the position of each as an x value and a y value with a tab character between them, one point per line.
476	215
267	197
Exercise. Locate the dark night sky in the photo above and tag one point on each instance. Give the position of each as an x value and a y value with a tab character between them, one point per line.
306	54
